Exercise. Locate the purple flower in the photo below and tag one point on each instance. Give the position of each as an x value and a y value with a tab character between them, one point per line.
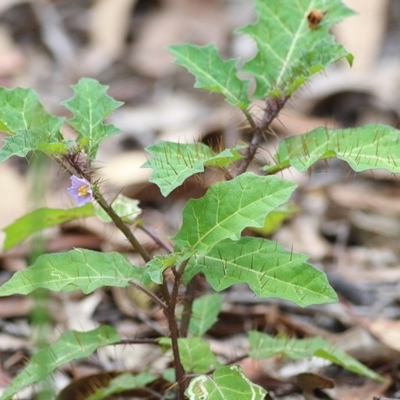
80	190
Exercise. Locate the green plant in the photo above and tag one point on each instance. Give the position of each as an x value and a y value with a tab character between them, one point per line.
292	46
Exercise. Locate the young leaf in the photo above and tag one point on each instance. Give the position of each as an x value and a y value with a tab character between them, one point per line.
368	147
290	50
228	208
90	106
77	269
265	346
212	72
128	209
205	313
276	218
30	126
156	266
70	346
40	219
226	383
123	383
173	162
269	271
195	354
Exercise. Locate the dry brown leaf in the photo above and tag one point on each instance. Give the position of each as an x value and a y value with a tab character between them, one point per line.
366	391
387	331
198	21
6	4
15	204
363	34
124	170
108	28
12	343
302	235
360	344
15	306
12	59
348	195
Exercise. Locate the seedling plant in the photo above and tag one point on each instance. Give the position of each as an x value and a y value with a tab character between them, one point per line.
293	43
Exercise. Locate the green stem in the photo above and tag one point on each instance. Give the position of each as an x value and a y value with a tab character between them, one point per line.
273	169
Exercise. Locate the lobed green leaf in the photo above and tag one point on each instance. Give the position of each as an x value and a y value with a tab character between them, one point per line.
226	383
29	125
212	72
90	106
173	163
269	271
81	269
289	51
368	147
229	207
265	346
70	346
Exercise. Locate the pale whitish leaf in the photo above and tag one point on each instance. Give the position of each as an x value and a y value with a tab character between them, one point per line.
205	312
212	72
367	147
40	219
269	270
173	163
90	106
81	269
289	50
70	346
266	346
195	354
229	207
226	383
127	209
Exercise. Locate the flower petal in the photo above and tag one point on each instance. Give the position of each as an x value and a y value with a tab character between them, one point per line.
80	190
